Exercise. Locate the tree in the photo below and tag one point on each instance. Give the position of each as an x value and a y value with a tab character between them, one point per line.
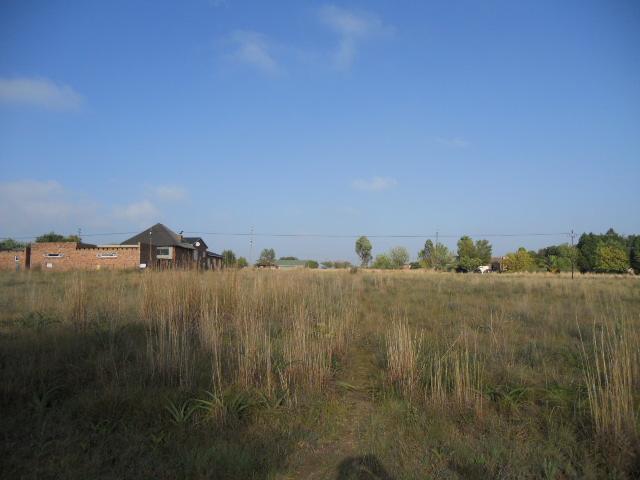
398	256
267	256
229	258
11	244
520	261
435	256
363	249
311	264
382	261
634	252
242	262
468	260
587	252
611	258
483	251
288	258
556	258
55	237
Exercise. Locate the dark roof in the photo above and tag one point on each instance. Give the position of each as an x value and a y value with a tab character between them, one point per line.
291	263
214	255
161	236
193	240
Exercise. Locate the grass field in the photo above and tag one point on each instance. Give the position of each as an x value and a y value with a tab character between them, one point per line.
283	375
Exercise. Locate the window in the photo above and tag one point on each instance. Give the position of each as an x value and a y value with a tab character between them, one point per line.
107	255
165	253
54	255
17	258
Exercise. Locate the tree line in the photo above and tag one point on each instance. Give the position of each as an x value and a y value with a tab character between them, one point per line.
599	253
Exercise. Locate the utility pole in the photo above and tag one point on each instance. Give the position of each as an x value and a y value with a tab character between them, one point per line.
79	233
434	254
572	252
251	247
150	234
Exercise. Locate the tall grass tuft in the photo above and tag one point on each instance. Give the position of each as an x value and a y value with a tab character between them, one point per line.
402	357
611	375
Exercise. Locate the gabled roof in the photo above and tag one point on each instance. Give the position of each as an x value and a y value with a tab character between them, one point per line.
290	263
193	240
214	255
158	235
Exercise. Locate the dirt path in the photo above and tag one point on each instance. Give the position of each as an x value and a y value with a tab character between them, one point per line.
348	420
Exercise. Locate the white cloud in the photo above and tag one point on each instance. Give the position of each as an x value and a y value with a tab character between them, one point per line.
375	184
455	142
140	213
33	207
171	193
39	92
253	49
352	28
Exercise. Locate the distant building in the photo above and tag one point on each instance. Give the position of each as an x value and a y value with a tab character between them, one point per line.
290	264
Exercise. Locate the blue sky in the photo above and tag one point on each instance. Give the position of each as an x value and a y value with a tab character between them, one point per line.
309	117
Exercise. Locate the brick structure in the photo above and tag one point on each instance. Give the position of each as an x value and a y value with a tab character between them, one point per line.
16	260
62	256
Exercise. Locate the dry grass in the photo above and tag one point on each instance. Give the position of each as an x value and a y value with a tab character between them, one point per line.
478	376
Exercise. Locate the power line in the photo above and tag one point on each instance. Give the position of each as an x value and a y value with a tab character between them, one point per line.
253	234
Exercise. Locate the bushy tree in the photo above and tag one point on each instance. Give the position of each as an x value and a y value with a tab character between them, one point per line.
242	262
363	249
611	258
471	256
55	237
11	244
591	249
436	256
229	258
288	258
267	256
311	264
557	258
398	256
382	261
520	261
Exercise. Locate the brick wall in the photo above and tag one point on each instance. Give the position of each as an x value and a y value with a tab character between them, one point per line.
74	256
8	259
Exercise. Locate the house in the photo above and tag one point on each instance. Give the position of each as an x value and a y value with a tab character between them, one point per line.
172	250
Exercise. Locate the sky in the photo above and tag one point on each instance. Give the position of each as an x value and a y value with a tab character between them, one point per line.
347	118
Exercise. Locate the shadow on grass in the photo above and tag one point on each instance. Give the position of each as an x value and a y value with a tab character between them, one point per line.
366	467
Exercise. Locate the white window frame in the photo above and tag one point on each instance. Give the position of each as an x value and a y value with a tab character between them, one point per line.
107	255
167	256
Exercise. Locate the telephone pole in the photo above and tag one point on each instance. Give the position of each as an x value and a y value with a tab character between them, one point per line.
572	252
251	247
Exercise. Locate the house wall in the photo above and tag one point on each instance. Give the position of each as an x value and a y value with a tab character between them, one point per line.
77	257
8	259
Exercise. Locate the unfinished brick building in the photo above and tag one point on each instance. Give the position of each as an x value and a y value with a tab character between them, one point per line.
80	256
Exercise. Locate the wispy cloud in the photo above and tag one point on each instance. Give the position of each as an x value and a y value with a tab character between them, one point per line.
39	92
455	142
33	206
375	184
253	49
171	193
138	213
353	28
